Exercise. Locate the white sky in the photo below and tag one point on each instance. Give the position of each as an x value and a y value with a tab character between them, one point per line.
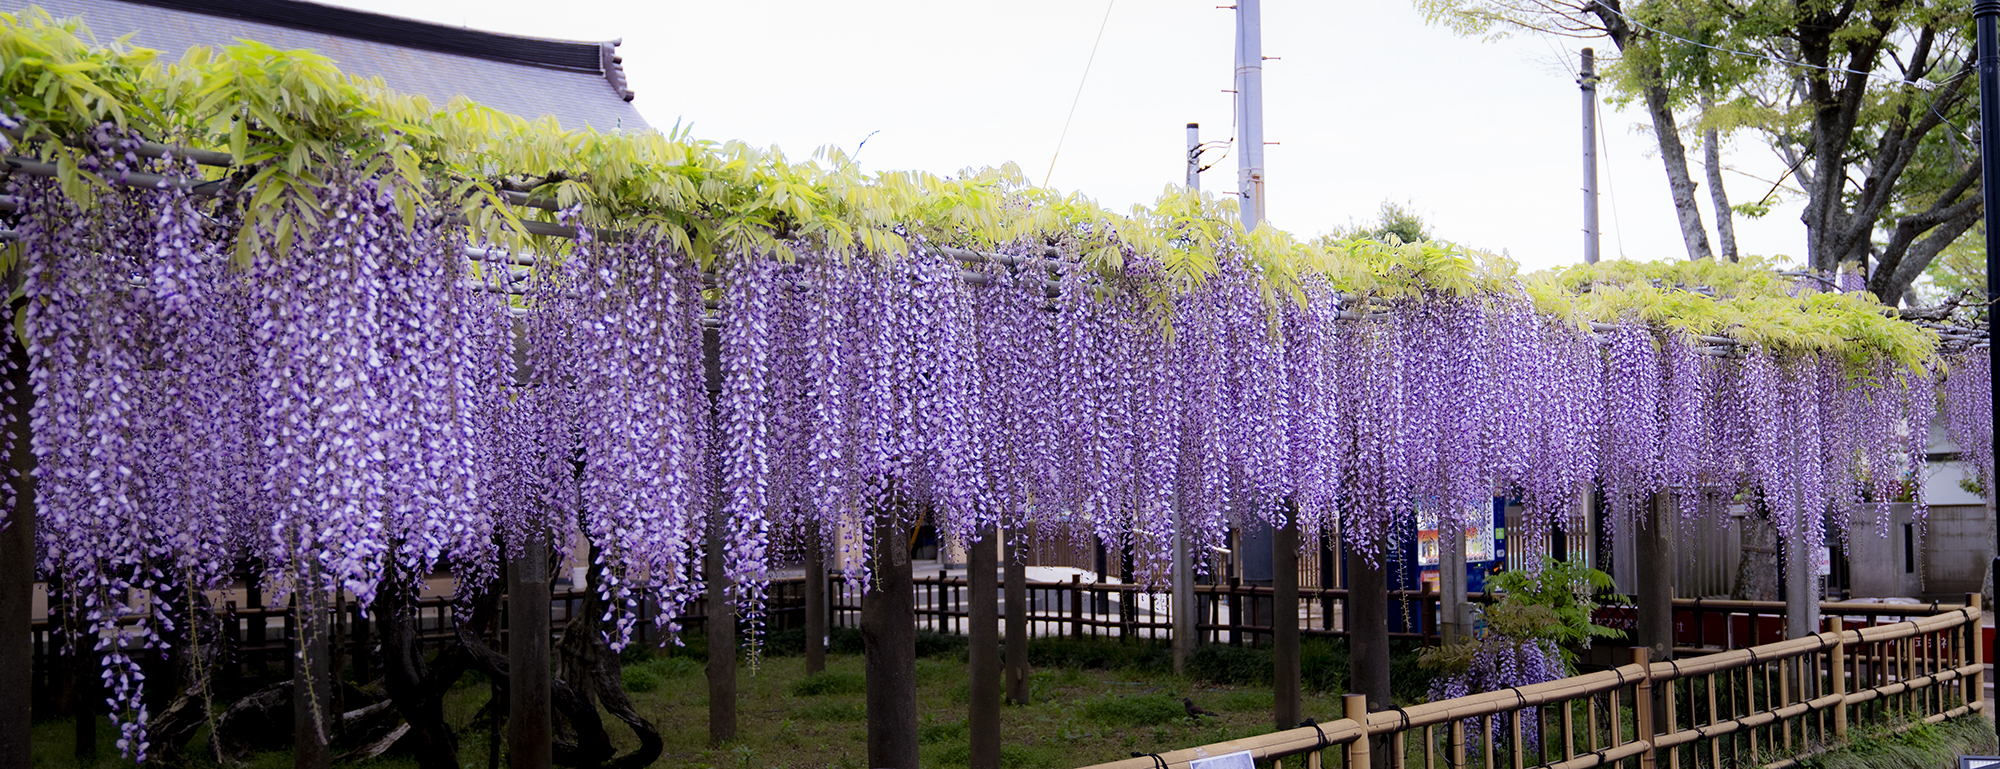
1367	103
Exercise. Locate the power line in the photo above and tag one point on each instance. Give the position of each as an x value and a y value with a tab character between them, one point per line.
1079	91
1610	187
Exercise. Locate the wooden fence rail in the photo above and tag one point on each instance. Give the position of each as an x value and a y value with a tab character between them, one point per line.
259	638
1770	706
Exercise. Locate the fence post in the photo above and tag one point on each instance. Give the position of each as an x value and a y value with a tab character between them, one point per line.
1839	676
1642	703
1076	605
1975	647
1235	612
1355	707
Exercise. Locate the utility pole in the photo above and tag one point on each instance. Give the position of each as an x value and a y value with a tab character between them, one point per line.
1183	600
1194	157
1984	13
1588	80
1250	111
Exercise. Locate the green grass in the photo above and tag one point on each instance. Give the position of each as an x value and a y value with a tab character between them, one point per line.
1134	709
1925	746
1093	701
830	683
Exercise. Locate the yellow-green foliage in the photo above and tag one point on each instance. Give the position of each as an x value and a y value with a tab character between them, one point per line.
1746	301
289	118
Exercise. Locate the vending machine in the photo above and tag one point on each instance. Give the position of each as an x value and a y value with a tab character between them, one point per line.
1414	566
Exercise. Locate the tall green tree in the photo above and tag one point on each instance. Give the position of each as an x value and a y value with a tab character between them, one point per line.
1867	102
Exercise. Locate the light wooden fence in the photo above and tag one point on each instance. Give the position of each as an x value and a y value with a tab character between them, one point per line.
1768	706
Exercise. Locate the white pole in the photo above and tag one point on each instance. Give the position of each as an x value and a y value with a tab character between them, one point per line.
1183	608
1250	111
1588	79
1194	156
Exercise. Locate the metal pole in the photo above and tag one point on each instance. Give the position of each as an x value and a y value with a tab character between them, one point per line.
1183	588
1194	156
1250	111
1984	13
1588	80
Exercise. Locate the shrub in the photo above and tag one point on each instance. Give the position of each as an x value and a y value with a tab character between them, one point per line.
1238	665
941	645
845	640
1099	654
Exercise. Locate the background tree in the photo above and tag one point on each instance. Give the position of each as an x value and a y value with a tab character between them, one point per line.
1866	102
1391	219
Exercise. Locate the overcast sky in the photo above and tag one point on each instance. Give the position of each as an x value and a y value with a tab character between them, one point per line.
1365	101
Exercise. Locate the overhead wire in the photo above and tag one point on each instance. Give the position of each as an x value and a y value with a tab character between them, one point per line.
1610	187
1079	91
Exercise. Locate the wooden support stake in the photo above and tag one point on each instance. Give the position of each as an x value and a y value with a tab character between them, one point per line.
1519	748
1354	707
1838	665
1642	707
1672	718
1714	717
1975	647
983	652
1486	732
1590	725
1569	730
529	723
1457	737
17	572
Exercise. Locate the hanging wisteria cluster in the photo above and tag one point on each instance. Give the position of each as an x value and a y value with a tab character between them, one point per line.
370	398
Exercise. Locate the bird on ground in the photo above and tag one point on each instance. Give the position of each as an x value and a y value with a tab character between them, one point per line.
1197	711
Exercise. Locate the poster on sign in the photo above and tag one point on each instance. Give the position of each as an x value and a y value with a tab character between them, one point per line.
1478	537
1241	760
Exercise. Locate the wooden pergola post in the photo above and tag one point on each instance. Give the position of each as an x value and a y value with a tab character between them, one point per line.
721	630
530	727
889	638
983	655
816	613
312	680
1017	618
17	570
1285	623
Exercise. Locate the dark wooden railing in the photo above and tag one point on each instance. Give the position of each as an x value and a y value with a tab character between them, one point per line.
259	638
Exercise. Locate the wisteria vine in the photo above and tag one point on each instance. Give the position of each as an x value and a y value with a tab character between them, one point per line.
361	404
